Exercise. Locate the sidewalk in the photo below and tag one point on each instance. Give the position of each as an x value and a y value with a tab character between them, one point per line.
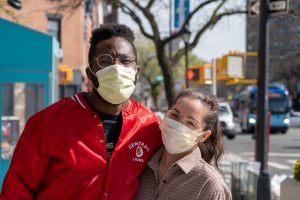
226	167
228	156
240	175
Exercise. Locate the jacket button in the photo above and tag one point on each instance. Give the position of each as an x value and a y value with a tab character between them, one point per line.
102	141
106	195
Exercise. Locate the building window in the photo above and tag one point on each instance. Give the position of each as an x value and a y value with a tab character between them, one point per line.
54	26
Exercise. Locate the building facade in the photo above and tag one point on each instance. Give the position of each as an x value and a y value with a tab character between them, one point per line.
71	24
283	46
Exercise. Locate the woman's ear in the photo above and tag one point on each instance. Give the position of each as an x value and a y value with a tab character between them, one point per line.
204	136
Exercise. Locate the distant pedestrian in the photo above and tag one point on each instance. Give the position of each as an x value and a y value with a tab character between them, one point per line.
192	140
90	146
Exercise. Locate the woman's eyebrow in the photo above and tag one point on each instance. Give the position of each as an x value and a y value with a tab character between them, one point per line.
190	117
193	119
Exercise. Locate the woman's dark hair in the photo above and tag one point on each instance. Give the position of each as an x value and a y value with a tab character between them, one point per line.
213	148
107	31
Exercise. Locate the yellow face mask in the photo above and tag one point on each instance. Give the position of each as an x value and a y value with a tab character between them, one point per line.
178	138
116	83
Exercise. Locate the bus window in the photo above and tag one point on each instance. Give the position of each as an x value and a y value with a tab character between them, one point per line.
278	105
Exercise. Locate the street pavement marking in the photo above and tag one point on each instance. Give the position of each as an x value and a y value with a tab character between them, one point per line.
231	157
278	166
274	164
291	161
290	155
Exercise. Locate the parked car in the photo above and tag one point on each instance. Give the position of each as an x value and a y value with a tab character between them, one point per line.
294	119
226	119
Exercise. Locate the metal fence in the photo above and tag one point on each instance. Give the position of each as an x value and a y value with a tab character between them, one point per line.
241	177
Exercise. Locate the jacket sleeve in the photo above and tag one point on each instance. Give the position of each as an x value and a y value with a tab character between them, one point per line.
29	163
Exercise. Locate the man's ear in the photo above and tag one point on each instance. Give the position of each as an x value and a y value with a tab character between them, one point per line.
205	136
88	72
92	77
138	71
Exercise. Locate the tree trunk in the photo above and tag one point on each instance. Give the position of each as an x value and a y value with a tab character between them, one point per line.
167	74
154	98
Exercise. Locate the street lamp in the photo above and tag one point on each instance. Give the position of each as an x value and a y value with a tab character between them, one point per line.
186	38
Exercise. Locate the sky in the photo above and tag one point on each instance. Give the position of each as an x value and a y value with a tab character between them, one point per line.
228	34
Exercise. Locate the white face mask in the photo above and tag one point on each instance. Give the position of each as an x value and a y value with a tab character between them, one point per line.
116	83
176	137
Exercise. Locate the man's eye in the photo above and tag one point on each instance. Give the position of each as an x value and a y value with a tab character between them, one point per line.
104	62
125	61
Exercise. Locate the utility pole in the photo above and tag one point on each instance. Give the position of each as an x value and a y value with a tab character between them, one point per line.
170	29
263	186
214	76
186	38
186	49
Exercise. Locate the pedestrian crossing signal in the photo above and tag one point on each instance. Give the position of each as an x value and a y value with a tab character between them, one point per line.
193	74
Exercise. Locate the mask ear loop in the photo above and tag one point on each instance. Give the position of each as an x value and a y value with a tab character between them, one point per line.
92	71
94	79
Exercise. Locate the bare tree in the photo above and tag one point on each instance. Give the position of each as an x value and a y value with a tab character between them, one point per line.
139	10
286	69
149	67
144	15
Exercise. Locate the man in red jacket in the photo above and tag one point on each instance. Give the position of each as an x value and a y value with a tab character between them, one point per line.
92	145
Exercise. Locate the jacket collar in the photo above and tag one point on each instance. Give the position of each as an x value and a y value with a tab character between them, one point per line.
78	98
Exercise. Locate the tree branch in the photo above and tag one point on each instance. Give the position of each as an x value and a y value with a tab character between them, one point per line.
132	14
213	20
187	20
150	4
151	19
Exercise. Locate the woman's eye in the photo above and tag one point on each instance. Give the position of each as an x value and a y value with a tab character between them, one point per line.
191	124
173	115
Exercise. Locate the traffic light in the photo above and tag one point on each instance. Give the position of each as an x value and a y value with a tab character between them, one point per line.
65	74
222	74
193	74
17	4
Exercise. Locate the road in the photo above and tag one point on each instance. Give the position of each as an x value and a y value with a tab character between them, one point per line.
284	150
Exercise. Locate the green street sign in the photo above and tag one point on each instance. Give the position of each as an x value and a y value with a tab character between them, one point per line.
159	78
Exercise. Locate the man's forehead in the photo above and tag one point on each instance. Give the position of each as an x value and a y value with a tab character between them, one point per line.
115	45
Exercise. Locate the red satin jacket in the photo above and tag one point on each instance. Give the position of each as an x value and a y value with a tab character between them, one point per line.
62	154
